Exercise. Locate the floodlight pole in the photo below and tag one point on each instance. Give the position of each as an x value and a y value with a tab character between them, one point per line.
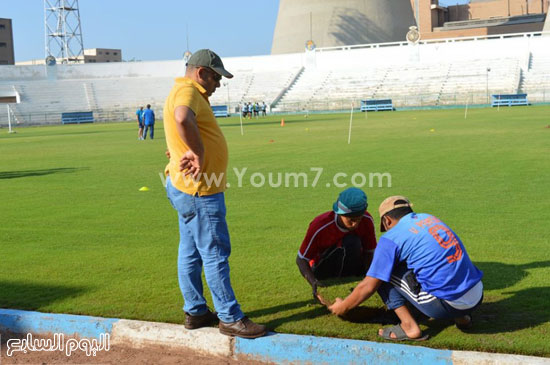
10	130
350	123
9	119
226	84
487	88
241	117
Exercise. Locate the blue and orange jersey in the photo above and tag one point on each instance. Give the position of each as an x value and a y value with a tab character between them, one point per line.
432	250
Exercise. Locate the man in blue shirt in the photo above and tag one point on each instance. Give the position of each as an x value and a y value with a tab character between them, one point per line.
139	115
149	121
420	260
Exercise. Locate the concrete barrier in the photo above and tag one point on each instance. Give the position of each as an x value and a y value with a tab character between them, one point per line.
274	348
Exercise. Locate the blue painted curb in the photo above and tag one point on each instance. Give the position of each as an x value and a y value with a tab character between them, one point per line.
275	347
19	321
282	348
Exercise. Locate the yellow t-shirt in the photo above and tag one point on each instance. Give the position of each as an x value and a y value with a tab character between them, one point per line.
212	180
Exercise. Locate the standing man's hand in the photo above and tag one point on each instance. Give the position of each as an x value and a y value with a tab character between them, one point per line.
192	164
192	161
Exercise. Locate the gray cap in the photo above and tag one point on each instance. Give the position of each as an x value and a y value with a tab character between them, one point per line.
207	58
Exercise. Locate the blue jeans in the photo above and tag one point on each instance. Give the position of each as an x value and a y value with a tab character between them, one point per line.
401	290
149	127
204	241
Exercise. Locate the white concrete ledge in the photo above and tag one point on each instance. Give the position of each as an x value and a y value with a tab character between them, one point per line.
484	358
203	340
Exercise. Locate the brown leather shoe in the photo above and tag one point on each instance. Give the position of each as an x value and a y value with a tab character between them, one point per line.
204	320
243	328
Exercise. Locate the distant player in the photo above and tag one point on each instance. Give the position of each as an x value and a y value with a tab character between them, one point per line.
249	110
256	109
244	108
139	116
149	121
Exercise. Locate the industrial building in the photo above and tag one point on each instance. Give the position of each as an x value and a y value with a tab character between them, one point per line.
7	56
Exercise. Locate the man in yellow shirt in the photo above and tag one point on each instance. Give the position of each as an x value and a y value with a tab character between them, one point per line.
195	186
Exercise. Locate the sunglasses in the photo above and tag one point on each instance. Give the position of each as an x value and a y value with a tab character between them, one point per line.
217	77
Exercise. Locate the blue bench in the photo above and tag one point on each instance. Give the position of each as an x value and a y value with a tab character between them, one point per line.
77	117
220	110
509	99
376	105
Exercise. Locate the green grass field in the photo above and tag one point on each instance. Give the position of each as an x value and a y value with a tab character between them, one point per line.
77	236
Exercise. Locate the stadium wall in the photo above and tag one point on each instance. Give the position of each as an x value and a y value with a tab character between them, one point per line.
114	91
139	69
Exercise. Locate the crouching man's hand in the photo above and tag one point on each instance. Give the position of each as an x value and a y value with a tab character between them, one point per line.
338	307
314	286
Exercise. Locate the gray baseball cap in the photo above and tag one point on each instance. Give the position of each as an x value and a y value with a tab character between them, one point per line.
207	58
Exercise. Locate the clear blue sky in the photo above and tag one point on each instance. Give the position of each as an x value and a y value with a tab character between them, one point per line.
156	30
153	30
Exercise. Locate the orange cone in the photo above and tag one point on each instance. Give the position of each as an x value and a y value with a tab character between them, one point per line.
282	122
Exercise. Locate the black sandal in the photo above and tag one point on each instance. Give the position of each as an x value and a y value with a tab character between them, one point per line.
465	326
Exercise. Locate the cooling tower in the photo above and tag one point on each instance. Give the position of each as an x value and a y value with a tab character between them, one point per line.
340	22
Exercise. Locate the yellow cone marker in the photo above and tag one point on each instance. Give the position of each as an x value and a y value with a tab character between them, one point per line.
144	188
432	130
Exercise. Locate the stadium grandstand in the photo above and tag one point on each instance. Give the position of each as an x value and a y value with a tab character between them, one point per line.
433	72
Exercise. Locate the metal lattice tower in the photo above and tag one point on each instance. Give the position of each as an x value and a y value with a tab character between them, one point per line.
63	31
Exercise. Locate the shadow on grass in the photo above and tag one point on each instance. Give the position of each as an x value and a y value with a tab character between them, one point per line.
314	309
499	276
280	308
361	314
43	172
314	312
32	296
524	308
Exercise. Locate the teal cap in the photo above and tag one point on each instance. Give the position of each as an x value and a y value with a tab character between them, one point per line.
352	201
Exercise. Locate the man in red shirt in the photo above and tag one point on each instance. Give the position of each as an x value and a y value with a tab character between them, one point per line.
340	242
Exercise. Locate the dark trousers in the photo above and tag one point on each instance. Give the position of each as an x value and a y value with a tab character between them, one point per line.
404	288
341	261
149	127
